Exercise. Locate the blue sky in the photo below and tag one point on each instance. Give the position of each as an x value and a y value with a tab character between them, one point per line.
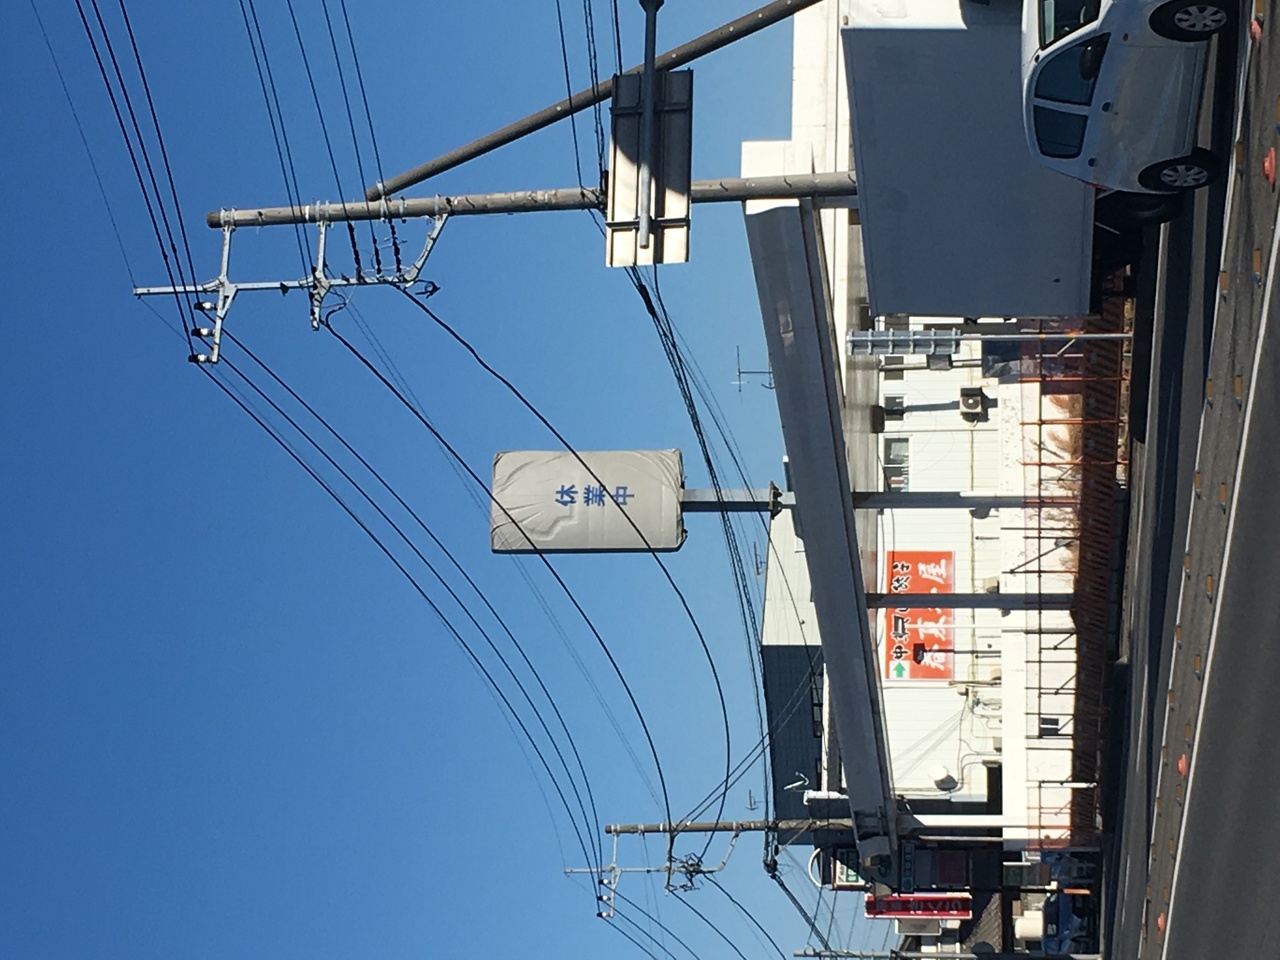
228	725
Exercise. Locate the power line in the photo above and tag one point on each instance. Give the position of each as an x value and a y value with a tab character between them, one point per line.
547	563
810	919
164	153
288	172
718	932
666	336
593	66
169	266
351	122
568	83
324	130
452	593
440	545
658	943
617	38
638	945
93	166
373	138
524	401
448	624
661	926
469	489
747	913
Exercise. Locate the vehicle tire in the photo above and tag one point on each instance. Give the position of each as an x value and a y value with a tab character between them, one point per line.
1121	210
1190	20
1199	169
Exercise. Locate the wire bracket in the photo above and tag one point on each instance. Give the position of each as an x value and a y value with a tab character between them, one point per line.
318	284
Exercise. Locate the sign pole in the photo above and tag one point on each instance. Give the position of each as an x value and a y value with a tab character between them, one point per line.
648	81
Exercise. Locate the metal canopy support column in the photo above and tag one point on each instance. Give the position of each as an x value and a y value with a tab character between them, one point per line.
791	282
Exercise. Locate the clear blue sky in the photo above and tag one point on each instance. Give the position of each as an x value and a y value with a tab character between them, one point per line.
228	725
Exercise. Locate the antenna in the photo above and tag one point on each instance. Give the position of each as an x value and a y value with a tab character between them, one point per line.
750	373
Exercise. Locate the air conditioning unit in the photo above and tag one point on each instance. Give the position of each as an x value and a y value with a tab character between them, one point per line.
973	404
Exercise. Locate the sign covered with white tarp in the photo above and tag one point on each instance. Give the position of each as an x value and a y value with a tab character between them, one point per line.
600	500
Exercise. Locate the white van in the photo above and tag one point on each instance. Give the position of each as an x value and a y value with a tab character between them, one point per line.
1111	90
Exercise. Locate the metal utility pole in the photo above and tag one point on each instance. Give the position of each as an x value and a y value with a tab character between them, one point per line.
744	26
647	82
840	187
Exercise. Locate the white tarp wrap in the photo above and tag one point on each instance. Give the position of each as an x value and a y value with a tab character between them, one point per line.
620	500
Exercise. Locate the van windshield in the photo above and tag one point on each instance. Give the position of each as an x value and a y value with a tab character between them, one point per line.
1058	18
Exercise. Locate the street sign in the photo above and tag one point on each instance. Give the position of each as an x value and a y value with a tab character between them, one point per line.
939	906
932	629
672	171
606	501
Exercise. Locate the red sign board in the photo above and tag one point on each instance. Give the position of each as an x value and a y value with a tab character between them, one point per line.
931	629
920	906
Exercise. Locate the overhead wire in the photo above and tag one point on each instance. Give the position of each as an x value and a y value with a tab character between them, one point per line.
739	573
713	926
84	140
811	919
597	110
288	170
573	600
482	503
638	945
645	933
351	121
470	581
159	205
742	584
680	595
748	914
373	137
164	152
568	82
418	588
328	143
153	208
656	921
663	326
617	38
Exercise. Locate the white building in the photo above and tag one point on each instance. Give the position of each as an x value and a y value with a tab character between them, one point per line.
977	704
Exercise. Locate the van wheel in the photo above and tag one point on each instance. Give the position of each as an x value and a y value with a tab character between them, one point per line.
1120	210
1190	20
1199	169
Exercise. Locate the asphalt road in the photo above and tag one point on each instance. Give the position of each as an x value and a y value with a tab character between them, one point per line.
1210	709
1177	300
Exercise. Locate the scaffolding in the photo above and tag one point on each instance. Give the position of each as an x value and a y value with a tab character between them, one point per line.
1075	455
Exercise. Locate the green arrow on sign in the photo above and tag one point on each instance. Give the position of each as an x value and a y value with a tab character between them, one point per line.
899	669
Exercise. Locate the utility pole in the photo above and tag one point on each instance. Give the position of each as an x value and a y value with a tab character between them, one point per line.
841	187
